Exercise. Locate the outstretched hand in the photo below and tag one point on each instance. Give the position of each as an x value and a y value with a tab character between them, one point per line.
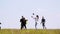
32	16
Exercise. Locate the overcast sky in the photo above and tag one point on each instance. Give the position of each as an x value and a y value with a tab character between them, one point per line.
12	10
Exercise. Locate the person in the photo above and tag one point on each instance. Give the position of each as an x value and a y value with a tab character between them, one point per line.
36	20
0	24
43	22
23	22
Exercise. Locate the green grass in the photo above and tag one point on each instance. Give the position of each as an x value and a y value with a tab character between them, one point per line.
30	31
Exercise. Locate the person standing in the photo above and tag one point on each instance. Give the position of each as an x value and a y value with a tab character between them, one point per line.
0	24
36	18
36	21
43	22
23	22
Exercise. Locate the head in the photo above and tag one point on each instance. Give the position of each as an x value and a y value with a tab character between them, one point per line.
22	16
37	16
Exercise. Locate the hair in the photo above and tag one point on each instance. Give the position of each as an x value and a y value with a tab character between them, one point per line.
37	16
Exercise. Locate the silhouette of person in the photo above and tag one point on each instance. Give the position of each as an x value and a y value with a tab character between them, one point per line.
43	22
36	18
23	22
0	24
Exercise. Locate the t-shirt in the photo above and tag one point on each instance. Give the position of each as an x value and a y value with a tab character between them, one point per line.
43	20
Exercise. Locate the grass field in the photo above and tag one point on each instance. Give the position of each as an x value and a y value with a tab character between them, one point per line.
30	31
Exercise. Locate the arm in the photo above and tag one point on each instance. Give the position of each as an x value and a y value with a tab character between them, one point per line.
33	17
20	20
41	21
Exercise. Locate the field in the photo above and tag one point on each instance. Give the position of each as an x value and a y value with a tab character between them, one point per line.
30	31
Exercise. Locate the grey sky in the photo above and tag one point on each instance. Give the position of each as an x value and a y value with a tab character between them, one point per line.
12	10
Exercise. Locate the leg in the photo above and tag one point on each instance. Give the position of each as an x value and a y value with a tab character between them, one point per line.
0	28
21	26
43	25
25	26
36	25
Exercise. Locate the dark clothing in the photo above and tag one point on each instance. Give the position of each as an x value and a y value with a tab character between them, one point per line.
23	25
0	26
43	22
0	23
23	22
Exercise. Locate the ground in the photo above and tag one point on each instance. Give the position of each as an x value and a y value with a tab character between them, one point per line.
30	31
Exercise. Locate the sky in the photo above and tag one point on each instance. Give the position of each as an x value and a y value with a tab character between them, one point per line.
12	10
